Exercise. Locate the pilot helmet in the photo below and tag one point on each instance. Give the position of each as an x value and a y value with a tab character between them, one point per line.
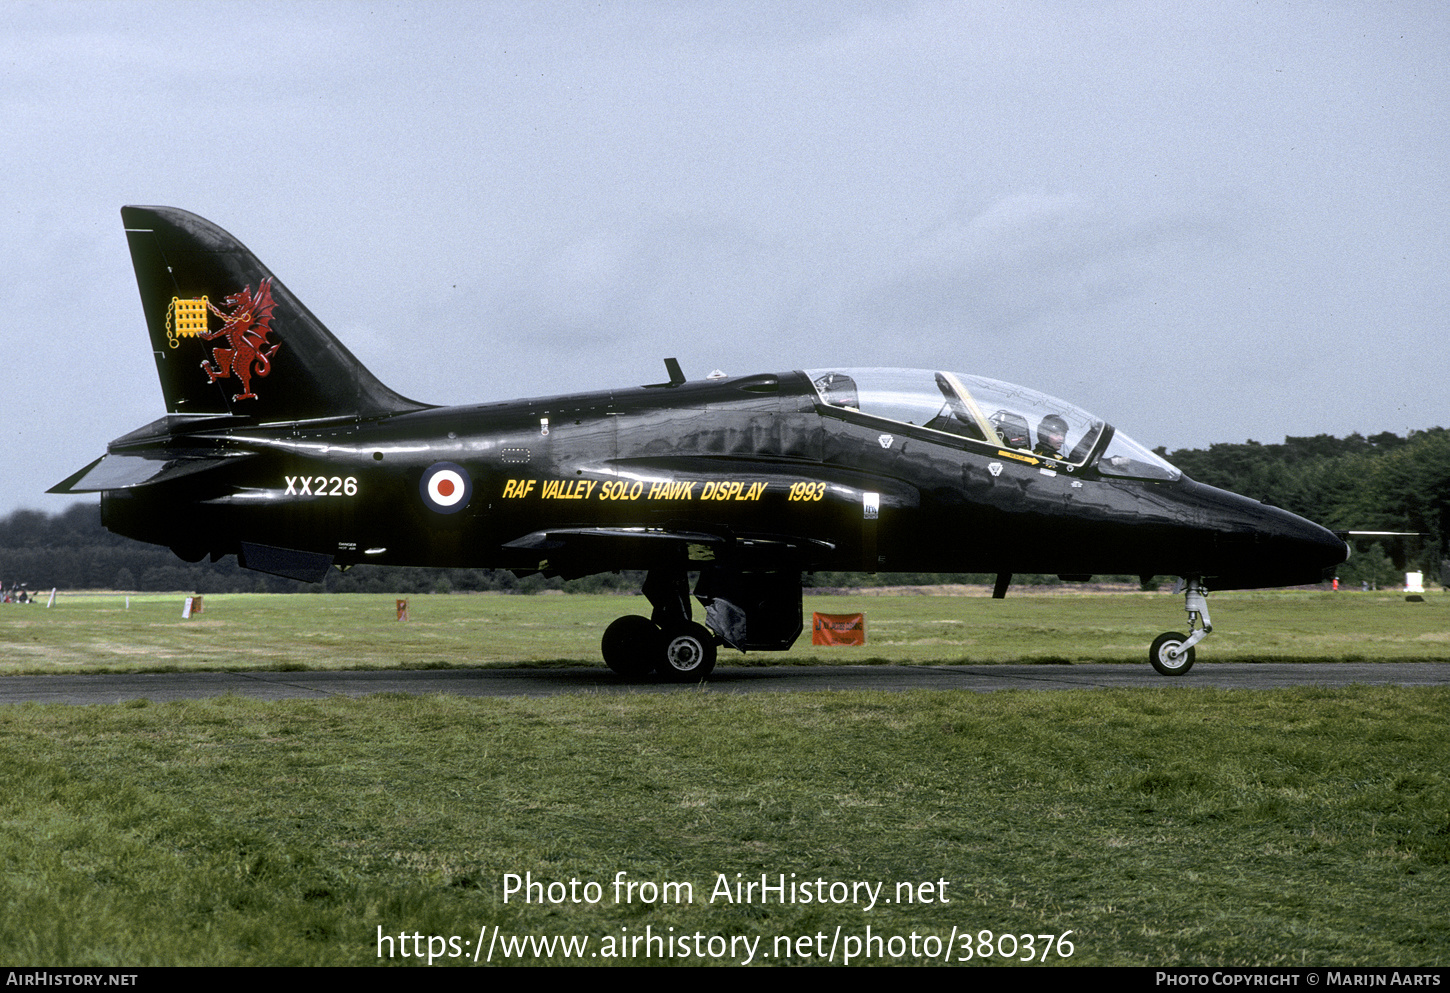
1052	424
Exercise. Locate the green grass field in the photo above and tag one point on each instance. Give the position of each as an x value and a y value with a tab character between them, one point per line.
243	631
1157	826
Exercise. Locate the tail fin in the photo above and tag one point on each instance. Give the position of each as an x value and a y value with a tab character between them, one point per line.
229	338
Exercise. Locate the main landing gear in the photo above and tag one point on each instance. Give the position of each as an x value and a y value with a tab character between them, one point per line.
1172	653
668	641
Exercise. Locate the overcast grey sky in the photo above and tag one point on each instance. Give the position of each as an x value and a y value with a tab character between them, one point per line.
1201	221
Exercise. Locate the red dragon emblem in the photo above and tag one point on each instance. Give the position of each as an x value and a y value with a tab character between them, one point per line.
245	328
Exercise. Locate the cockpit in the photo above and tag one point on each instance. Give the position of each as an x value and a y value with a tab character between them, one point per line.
989	414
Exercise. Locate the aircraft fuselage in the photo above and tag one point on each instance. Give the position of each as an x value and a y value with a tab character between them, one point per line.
753	460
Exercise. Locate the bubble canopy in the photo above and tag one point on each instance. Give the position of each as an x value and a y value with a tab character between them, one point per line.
990	413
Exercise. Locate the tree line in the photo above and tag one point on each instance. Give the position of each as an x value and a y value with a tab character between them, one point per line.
1380	483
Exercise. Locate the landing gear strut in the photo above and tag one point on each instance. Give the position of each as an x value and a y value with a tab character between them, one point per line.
668	641
1172	653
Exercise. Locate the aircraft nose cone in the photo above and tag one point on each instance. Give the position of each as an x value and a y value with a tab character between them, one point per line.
1290	551
1312	543
1256	545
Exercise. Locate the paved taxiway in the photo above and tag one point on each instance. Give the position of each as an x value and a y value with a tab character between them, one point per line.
84	689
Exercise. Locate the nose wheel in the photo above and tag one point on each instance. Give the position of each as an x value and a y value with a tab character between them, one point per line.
1172	653
1169	656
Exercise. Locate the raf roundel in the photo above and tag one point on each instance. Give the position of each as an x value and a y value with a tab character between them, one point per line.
446	488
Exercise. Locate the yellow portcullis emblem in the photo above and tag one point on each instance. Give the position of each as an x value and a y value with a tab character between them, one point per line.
189	317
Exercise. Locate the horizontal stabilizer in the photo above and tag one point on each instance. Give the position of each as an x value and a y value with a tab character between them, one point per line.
121	472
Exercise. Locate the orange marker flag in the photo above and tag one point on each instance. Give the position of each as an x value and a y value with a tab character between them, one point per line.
838	629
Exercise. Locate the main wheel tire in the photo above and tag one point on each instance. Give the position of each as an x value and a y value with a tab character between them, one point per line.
688	654
630	646
1168	655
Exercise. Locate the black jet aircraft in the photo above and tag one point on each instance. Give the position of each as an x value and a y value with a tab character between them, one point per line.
279	447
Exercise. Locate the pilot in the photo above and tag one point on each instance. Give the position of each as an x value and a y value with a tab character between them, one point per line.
1051	434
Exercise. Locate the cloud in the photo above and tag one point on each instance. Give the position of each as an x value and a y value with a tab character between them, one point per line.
1026	258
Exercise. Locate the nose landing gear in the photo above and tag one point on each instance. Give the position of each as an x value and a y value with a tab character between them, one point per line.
1172	653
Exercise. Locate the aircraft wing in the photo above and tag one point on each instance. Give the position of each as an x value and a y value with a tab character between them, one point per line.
579	551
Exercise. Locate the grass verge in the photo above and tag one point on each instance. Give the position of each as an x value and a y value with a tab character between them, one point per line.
1203	827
